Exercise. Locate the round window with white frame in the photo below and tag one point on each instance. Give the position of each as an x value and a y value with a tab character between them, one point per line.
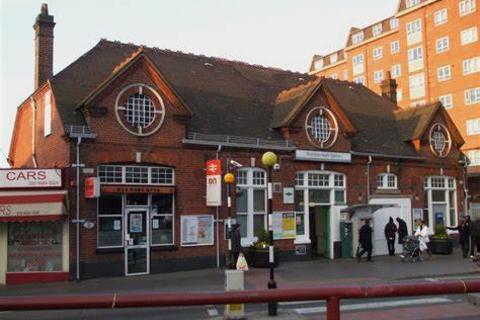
440	140
321	127
139	109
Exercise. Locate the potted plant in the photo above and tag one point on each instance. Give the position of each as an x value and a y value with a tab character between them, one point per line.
441	242
258	254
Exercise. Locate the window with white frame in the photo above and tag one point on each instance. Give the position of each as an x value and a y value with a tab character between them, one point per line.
378	76
251	202
472	96
442	44
444	73
396	71
474	157
387	181
133	174
394	46
468	36
110	221
47	113
446	100
473	127
377	53
440	17
416	85
414	31
359	80
162	219
466	7
440	201
357	37
399	95
333	58
377	29
418	103
415	59
411	3
393	23
357	62
471	65
318	64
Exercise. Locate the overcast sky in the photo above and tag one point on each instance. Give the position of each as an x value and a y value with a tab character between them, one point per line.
279	33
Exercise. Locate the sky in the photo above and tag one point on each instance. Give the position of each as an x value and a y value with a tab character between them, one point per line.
277	33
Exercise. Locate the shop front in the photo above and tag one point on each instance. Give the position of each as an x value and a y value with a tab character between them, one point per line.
33	226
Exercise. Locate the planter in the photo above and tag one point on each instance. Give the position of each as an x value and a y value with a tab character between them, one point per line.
441	246
259	258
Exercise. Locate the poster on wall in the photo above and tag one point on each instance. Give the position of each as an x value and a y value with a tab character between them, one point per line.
283	224
197	230
136	223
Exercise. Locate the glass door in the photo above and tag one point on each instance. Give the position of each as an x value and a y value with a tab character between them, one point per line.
137	255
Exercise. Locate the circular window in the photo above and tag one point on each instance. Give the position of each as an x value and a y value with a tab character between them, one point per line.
139	109
321	127
440	141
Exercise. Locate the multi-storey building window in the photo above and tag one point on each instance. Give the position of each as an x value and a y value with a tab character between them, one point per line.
378	76
399	95
468	36
442	44
414	31
466	7
395	47
396	71
377	53
333	58
446	100
471	65
474	157
416	85
444	73
318	64
393	23
440	17
357	62
415	59
411	3
473	126
359	79
472	96
357	37
377	29
345	74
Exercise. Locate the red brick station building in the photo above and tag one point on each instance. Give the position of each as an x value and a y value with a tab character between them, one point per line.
144	121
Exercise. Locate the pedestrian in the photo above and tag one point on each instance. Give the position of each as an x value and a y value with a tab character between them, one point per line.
475	236
464	232
365	240
422	234
390	233
402	230
236	245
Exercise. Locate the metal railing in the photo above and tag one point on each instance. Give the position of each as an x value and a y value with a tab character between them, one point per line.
202	138
332	295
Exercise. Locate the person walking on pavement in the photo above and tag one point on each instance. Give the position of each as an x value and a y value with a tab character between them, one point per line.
365	240
236	244
422	234
390	233
464	231
402	230
475	237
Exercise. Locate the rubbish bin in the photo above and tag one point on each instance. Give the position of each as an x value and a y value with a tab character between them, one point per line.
346	238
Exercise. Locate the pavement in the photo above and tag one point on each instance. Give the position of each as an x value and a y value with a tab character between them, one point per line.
288	275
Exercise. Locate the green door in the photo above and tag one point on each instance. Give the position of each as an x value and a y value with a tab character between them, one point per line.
324	215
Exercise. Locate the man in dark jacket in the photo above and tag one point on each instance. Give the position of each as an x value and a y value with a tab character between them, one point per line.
236	245
365	240
475	236
402	230
390	233
464	232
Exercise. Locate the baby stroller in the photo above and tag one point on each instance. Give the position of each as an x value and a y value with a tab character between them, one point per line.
411	250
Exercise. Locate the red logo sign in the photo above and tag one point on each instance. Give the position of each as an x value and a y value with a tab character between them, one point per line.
214	167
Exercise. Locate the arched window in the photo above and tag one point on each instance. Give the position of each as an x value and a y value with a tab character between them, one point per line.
387	181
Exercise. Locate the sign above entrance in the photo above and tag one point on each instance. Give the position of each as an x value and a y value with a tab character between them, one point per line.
137	189
30	178
323	156
214	183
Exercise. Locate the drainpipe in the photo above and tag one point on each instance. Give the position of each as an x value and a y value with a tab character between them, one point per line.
368	178
217	218
466	162
77	205
34	131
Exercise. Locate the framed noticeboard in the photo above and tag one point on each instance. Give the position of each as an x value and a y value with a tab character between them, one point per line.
284	226
196	230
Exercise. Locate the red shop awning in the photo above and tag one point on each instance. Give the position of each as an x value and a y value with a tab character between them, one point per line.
33	205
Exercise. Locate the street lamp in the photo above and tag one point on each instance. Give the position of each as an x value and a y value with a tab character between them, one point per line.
269	159
229	179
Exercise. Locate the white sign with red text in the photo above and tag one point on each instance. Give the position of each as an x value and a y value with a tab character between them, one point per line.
214	183
30	178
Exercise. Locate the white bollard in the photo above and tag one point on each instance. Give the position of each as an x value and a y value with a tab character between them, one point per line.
234	281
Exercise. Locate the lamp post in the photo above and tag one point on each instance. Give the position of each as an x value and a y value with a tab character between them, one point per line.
269	159
229	179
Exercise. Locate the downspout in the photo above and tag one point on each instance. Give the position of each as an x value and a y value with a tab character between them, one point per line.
217	218
465	184
34	131
77	205
368	178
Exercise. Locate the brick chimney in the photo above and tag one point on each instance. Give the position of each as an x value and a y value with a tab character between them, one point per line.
43	26
389	88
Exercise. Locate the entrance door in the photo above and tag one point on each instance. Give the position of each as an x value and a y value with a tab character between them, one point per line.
320	230
137	255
